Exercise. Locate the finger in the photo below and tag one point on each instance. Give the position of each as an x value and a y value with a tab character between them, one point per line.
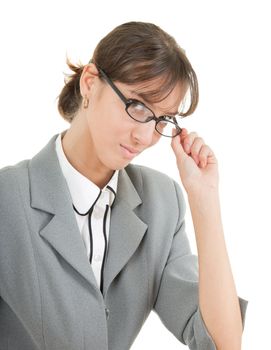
195	148
188	141
204	154
177	147
183	134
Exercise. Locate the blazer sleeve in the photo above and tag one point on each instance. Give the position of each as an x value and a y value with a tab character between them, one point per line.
177	302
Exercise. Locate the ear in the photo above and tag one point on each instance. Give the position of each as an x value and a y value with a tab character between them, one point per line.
89	75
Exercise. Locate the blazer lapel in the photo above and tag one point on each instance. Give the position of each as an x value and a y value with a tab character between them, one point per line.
49	193
126	229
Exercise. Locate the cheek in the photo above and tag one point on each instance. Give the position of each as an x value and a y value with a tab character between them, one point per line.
111	131
113	120
155	139
101	122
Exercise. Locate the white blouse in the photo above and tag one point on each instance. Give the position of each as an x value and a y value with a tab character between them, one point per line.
92	208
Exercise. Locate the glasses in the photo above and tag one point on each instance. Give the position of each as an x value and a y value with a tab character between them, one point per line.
165	125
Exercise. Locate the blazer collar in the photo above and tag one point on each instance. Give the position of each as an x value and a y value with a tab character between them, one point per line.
49	193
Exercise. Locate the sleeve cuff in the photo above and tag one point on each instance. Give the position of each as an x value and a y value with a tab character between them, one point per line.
243	307
201	339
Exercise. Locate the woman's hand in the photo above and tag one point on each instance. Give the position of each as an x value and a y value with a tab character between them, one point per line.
196	162
199	174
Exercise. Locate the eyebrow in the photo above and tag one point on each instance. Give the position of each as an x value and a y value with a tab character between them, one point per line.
140	95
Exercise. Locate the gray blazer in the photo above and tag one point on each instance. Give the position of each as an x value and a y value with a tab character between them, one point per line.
49	298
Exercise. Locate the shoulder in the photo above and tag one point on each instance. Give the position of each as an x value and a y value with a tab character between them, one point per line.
153	183
9	172
10	178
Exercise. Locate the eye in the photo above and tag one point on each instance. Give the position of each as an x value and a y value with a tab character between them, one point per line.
167	118
137	106
139	111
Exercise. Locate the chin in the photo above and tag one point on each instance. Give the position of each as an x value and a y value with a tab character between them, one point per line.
117	165
120	166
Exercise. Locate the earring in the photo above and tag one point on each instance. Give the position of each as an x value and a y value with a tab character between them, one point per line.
85	102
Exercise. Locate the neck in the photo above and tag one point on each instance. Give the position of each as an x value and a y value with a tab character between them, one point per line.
79	150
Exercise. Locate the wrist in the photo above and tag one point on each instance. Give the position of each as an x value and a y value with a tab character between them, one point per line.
203	194
206	213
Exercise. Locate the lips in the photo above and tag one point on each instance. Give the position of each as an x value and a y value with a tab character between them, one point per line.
130	149
129	152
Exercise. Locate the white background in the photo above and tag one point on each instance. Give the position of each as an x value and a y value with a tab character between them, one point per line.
228	43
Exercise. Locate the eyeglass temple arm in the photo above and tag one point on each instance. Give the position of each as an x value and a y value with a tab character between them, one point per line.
122	97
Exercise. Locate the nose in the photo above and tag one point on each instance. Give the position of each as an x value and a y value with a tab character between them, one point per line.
143	133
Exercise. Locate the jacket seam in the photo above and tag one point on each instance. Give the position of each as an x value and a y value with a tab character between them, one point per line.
147	262
178	226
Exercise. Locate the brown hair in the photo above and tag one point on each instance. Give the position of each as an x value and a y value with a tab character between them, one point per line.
131	53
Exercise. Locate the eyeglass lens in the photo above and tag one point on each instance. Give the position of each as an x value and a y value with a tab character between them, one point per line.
141	113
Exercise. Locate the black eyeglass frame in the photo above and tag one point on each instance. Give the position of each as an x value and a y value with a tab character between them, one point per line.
128	102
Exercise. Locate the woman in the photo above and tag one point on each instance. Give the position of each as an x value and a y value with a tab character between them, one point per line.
90	244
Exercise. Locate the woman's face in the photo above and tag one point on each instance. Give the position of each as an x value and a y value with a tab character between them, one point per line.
115	137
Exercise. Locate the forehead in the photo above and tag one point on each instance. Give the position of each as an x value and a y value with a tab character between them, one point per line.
153	93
